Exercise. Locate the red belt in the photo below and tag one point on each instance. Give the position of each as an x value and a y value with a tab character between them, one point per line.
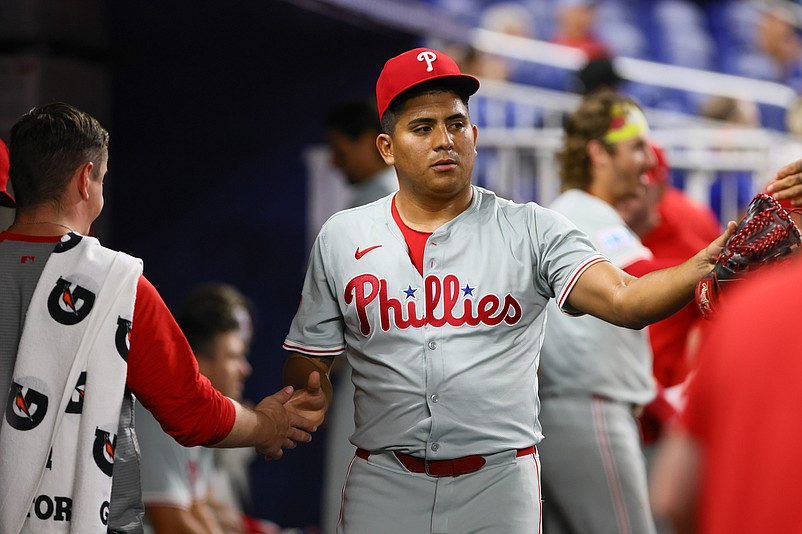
443	468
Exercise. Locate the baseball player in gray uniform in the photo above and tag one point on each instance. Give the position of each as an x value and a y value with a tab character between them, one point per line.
594	373
436	296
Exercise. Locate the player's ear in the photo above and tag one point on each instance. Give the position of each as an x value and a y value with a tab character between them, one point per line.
385	145
597	152
82	176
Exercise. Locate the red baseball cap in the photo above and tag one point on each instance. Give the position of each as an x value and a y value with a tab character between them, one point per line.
5	197
414	67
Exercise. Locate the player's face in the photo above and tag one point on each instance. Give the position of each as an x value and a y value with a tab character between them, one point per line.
433	147
226	365
356	158
630	161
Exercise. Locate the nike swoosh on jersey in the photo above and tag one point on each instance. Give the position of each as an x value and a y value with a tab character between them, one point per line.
359	253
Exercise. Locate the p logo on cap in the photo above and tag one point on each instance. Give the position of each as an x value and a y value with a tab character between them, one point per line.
417	66
428	56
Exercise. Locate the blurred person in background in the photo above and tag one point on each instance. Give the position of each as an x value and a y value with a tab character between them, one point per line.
778	38
514	20
177	481
594	376
351	131
575	27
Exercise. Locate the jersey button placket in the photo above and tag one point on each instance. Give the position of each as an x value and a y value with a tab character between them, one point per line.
432	267
432	383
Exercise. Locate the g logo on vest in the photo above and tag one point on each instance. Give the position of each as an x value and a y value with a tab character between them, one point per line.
69	306
25	407
121	337
103	450
76	404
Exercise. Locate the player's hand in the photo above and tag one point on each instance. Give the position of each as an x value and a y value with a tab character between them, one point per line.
284	428
310	402
788	183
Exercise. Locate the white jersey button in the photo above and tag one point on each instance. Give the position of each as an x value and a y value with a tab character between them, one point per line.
435	446
434	397
433	345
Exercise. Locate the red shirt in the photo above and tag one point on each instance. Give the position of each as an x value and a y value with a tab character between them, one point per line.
416	240
685	228
743	408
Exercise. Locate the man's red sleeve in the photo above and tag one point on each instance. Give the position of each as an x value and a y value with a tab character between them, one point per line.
163	374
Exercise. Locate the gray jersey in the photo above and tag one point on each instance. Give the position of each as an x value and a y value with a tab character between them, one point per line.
377	187
585	354
172	475
444	364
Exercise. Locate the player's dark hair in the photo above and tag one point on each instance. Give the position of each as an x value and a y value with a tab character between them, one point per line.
390	118
354	118
47	144
590	121
211	309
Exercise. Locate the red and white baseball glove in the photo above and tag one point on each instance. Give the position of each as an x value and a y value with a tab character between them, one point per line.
763	236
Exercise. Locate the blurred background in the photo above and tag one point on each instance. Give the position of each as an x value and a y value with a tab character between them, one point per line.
219	170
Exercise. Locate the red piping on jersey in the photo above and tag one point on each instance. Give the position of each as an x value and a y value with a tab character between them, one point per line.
577	274
326	352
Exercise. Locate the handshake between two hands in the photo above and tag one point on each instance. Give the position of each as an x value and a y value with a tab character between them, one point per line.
291	416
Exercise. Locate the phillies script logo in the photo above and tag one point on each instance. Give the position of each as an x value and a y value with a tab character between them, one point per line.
25	407
458	310
121	337
69	306
103	450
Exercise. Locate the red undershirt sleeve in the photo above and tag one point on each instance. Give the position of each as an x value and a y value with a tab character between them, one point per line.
163	374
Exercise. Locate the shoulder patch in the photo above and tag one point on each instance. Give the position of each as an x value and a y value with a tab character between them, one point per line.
613	238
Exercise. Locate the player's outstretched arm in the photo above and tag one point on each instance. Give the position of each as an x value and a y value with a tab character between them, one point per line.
313	391
607	292
788	183
270	427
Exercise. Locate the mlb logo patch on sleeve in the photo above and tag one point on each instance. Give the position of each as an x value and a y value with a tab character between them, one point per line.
614	238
